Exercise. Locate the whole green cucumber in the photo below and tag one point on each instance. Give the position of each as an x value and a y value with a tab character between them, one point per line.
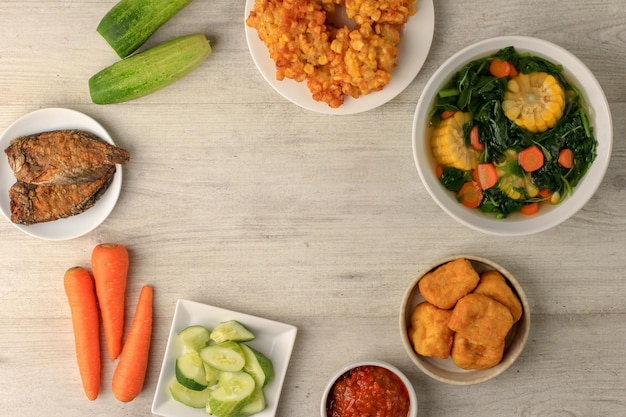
149	70
130	23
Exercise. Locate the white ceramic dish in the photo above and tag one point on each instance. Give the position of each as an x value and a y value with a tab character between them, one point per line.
47	120
416	40
445	370
409	387
549	216
273	339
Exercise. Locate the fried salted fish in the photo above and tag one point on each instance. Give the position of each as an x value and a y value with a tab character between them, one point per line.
62	157
31	203
492	284
445	285
429	332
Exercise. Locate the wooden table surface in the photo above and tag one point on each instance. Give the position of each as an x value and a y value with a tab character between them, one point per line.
237	198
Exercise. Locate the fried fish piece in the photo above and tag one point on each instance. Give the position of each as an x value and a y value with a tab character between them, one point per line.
481	319
492	284
429	332
31	203
467	354
62	157
444	286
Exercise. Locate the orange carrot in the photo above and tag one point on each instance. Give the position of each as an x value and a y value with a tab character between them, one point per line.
530	208
531	158
470	195
130	371
475	139
446	114
81	296
566	158
439	171
109	263
500	68
485	175
545	193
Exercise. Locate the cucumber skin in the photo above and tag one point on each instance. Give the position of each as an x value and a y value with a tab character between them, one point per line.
150	70
130	23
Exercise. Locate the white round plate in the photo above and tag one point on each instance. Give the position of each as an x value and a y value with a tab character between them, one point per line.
416	40
55	119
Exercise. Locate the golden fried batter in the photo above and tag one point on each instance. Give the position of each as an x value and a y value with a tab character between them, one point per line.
334	61
481	319
467	354
492	284
445	285
395	12
429	332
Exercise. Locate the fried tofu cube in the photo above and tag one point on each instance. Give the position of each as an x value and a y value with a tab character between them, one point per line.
492	284
429	332
445	285
481	319
467	354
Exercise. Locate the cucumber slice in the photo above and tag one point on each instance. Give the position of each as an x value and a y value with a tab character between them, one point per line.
190	371
212	374
257	365
231	330
225	356
189	397
255	404
195	337
231	394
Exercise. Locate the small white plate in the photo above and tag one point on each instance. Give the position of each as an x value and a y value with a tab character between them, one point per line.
273	339
417	37
55	119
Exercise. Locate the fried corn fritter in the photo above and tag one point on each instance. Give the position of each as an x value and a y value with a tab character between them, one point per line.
31	203
444	286
62	157
334	61
493	285
429	332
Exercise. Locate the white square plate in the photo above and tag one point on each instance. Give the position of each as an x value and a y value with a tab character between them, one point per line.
273	339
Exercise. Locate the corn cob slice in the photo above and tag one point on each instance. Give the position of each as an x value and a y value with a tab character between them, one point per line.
534	101
513	182
448	142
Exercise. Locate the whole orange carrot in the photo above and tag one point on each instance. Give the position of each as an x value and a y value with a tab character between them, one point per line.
109	264
131	369
80	293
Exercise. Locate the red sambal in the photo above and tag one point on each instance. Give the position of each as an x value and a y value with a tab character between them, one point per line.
368	391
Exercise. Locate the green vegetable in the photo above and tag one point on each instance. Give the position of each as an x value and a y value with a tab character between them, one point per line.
225	356
231	393
257	365
190	371
189	397
195	338
150	70
225	378
231	330
131	22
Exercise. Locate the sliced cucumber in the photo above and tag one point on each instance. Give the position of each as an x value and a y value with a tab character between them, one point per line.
231	394
257	365
190	371
255	404
231	330
212	374
225	356
189	397
195	337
